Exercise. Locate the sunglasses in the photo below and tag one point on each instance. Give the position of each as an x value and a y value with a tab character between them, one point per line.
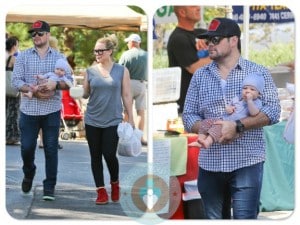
40	34
100	51
214	40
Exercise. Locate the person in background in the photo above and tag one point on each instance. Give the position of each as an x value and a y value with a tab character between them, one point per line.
12	103
53	43
233	166
71	61
183	46
42	111
107	87
135	59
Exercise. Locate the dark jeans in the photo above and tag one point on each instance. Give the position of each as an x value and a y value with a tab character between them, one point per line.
29	127
103	142
241	188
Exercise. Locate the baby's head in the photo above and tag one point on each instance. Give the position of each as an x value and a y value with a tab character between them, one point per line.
255	81
62	65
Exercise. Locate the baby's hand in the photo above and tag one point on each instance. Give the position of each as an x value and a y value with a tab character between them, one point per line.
39	76
230	109
249	96
34	88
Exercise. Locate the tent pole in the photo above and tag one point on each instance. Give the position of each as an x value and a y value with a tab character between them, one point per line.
245	39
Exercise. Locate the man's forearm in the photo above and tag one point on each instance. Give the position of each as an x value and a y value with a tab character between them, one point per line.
62	86
25	88
253	122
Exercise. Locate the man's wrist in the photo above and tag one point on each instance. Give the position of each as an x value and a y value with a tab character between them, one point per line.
57	87
240	128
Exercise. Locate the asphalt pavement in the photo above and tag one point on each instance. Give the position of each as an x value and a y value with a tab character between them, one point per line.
75	190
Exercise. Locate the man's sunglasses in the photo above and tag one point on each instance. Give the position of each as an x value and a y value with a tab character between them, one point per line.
214	40
100	51
40	34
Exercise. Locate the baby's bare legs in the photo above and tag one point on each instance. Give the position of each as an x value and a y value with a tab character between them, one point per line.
198	143
29	94
206	142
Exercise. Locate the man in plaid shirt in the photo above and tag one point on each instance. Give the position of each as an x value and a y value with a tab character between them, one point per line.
43	110
229	171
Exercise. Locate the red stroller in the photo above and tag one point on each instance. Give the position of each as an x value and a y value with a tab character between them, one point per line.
71	116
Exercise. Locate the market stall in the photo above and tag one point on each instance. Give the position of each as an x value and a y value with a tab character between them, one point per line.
103	17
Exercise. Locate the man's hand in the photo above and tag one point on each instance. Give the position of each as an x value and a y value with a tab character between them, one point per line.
50	85
230	109
45	89
228	131
44	95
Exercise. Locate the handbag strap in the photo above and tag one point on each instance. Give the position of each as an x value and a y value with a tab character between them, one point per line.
7	63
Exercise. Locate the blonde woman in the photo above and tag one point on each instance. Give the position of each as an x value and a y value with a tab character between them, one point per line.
107	85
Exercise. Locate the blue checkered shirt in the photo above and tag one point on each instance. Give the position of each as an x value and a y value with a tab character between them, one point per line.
206	99
27	65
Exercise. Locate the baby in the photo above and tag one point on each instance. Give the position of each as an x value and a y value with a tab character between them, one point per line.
248	104
61	68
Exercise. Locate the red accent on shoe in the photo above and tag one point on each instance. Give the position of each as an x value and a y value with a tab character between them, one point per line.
115	191
102	197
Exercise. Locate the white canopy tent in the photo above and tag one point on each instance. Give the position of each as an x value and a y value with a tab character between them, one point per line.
80	16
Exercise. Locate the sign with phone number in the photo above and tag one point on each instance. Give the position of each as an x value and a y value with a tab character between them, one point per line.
264	14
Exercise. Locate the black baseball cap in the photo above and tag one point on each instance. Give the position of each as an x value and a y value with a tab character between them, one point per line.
39	26
223	27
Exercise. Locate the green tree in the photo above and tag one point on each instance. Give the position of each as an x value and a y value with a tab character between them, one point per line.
77	41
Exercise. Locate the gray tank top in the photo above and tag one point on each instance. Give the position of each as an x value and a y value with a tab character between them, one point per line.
104	108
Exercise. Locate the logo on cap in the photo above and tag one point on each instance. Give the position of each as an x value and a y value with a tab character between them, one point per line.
214	25
37	25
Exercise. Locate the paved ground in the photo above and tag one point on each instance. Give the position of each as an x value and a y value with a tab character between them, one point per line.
75	191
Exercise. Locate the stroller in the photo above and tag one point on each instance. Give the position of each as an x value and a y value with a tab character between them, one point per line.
71	116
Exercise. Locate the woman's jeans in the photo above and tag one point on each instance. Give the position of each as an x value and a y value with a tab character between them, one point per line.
241	188
103	143
29	127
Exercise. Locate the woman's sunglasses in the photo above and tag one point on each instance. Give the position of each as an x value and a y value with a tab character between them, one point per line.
100	51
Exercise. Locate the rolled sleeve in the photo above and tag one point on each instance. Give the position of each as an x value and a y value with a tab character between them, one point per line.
191	113
271	104
18	71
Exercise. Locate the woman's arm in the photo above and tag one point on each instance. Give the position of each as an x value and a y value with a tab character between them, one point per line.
86	85
126	96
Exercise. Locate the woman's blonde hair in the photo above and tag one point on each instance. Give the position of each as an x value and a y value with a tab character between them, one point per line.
53	42
110	42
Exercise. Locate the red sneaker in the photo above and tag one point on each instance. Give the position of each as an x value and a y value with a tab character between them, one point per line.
115	191
102	197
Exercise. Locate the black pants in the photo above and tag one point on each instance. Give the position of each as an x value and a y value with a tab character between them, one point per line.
103	142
